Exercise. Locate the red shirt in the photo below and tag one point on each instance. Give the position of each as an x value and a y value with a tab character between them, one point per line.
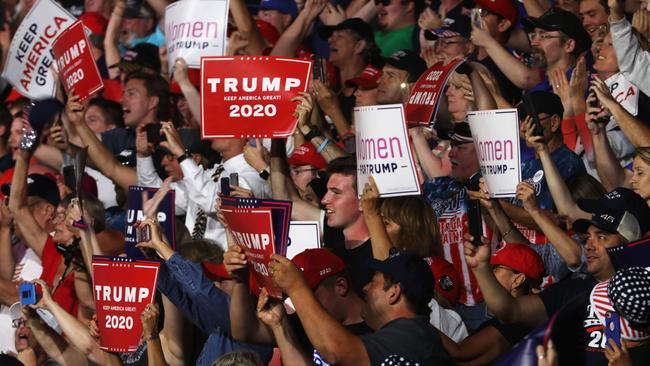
65	295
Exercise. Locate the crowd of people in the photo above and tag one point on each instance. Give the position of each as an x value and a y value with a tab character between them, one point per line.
398	280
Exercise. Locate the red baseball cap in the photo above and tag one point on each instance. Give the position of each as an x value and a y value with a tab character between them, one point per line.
521	258
195	78
96	22
318	265
504	8
447	279
368	79
215	272
306	154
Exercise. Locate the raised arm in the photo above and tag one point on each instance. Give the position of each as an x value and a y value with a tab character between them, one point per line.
562	198
519	74
333	341
246	26
7	261
283	187
244	324
189	91
431	164
370	204
273	314
75	330
569	250
102	158
56	347
35	236
298	30
611	173
636	131
111	39
527	310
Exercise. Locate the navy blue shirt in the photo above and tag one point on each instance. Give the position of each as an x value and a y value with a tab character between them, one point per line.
206	306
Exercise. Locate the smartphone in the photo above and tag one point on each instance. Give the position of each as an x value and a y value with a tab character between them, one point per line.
234	179
319	72
27	294
530	110
69	178
613	327
143	234
153	133
476	17
475	221
225	186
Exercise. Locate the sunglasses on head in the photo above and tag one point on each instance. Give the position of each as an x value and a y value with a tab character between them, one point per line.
382	2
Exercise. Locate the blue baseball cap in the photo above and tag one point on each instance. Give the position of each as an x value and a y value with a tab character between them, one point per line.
283	6
411	271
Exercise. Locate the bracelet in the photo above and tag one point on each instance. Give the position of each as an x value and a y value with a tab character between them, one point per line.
508	232
322	145
152	337
312	133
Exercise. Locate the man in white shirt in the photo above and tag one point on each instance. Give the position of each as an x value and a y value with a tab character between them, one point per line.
202	185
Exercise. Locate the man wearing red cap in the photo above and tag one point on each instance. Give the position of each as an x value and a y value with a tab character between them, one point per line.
365	86
519	270
304	163
324	274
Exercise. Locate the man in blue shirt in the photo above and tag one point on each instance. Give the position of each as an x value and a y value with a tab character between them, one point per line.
204	303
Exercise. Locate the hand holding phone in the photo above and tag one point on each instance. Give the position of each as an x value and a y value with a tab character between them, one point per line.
234	179
153	133
530	110
613	327
476	17
27	294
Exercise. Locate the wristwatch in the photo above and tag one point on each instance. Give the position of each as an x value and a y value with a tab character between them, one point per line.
264	174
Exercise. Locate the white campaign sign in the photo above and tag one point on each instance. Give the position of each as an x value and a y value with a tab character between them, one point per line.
624	92
302	235
194	29
384	151
30	54
496	139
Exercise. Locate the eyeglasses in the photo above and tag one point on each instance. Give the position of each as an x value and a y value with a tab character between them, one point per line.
542	36
443	43
382	2
17	323
485	12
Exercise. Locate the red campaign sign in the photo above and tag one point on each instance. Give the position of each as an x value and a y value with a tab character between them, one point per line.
74	60
253	232
250	96
122	289
424	97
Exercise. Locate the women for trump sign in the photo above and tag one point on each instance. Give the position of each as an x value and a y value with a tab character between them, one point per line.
496	139
384	151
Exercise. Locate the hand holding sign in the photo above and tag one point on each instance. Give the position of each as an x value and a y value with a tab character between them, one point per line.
303	111
236	263
370	203
74	110
286	276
